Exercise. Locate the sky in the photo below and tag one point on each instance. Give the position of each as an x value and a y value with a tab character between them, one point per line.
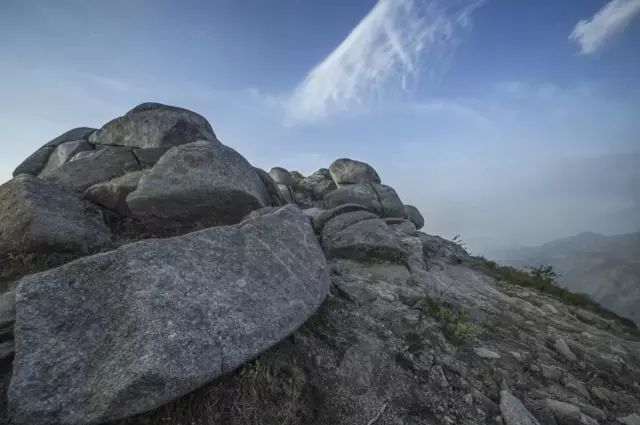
508	122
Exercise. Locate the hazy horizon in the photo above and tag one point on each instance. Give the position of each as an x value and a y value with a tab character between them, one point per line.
509	124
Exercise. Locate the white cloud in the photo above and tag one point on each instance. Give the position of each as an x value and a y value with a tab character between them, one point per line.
396	40
613	18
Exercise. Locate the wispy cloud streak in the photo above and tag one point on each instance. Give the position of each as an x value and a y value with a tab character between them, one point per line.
388	48
613	18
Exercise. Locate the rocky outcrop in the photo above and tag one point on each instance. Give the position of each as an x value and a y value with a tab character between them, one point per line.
317	185
347	171
38	217
377	198
153	125
126	331
93	167
388	325
202	182
36	162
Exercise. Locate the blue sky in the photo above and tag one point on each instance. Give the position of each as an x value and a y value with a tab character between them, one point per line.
509	122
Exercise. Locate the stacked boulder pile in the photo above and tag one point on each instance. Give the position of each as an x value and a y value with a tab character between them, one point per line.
188	263
149	274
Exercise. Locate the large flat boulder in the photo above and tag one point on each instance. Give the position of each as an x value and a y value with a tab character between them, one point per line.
203	183
90	167
346	171
36	162
123	332
361	235
377	198
154	125
40	217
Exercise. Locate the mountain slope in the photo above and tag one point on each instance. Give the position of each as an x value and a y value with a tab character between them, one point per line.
605	267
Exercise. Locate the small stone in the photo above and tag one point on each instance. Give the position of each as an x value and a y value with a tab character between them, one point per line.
516	355
562	348
485	353
632	419
468	399
600	394
514	412
552	373
412	318
574	384
387	296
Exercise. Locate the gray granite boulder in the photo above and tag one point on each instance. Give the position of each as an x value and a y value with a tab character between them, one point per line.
281	176
63	154
200	183
413	215
36	216
436	246
568	414
153	125
361	235
93	167
321	217
401	226
286	193
349	171
271	187
514	412
113	193
119	333
35	162
377	198
318	184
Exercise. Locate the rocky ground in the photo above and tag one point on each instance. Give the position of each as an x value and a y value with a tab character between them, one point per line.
178	285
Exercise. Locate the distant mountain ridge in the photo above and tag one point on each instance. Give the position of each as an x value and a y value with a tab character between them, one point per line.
605	267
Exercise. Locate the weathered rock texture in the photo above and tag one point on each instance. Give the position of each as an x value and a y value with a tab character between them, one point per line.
40	217
93	167
346	171
36	162
113	193
153	125
123	332
360	235
377	198
202	182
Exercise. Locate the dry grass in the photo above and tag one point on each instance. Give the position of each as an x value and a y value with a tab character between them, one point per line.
264	391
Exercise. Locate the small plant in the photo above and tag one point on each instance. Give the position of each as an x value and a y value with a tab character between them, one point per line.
457	239
544	273
457	325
